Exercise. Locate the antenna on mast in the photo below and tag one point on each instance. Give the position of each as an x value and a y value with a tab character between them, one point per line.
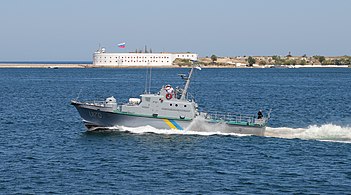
187	84
80	91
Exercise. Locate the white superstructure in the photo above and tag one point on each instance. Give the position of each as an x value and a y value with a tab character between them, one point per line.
102	58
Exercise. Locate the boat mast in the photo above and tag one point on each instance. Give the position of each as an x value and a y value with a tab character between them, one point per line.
148	80
185	90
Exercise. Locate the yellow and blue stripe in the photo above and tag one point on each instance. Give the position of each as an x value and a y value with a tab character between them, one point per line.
172	124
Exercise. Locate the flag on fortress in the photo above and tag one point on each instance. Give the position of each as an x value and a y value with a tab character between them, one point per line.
122	45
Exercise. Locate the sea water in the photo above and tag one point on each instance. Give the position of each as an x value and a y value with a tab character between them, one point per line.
45	149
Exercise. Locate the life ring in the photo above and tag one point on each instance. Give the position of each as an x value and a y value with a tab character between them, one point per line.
168	96
167	87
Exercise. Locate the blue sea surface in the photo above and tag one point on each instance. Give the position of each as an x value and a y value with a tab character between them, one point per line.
45	148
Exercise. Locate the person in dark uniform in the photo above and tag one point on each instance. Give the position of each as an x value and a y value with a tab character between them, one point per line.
259	114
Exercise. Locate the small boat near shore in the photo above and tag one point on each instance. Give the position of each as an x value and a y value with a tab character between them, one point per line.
169	108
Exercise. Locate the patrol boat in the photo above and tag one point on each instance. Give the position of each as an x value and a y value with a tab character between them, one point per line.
168	109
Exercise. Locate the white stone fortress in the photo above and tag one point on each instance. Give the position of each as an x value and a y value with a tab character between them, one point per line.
103	58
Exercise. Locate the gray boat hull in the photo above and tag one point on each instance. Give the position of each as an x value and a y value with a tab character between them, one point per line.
97	118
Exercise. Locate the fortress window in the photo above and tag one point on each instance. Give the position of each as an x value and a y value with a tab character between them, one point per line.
176	105
184	106
170	104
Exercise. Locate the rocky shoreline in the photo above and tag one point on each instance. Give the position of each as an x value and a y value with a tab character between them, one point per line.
277	61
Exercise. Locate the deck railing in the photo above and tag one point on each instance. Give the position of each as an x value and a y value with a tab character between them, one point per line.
96	103
234	117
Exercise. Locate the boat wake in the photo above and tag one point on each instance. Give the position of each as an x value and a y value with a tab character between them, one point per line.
149	129
326	132
202	128
197	127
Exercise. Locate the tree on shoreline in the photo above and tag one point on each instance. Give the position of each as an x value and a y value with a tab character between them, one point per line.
262	62
321	59
213	58
251	61
277	60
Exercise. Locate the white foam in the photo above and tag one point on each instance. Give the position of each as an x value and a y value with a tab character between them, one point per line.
326	132
198	123
149	129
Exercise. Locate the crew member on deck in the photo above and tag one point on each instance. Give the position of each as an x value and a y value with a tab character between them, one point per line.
259	114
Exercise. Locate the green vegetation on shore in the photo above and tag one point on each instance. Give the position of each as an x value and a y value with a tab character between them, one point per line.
289	60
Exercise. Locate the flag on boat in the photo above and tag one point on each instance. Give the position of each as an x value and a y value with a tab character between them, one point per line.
122	45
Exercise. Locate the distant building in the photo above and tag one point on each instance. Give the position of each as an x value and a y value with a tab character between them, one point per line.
102	58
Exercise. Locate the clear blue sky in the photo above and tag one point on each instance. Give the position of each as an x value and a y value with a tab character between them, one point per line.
72	29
